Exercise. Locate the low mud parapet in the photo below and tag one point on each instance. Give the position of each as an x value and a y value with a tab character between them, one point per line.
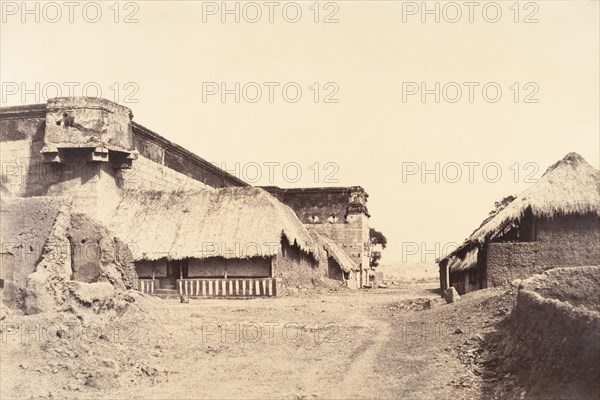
552	341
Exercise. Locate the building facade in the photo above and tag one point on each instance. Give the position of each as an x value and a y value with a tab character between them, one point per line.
340	214
91	151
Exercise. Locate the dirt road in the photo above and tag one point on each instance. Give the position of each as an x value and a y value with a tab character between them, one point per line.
374	344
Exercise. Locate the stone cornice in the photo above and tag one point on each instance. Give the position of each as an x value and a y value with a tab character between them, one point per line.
21	112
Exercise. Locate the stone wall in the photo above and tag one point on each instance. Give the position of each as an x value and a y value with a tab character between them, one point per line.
350	236
326	204
562	242
22	134
34	135
146	174
338	213
174	157
75	122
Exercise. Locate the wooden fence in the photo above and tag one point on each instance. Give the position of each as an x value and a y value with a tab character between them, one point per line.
250	287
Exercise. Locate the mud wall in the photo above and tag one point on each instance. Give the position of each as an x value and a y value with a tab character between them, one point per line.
582	231
561	242
580	286
295	268
26	225
509	261
46	248
553	345
98	256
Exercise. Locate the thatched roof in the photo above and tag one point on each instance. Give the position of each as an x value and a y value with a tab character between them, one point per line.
333	250
236	222
464	261
570	186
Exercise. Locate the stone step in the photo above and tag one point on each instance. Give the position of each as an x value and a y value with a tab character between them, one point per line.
167	286
166	296
165	291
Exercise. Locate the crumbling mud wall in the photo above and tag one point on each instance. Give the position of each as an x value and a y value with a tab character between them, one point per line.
45	288
98	256
62	257
552	339
26	225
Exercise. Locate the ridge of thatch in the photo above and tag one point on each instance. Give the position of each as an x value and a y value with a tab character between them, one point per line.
568	187
234	222
334	251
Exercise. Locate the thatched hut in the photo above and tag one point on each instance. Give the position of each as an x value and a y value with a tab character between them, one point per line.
554	223
214	242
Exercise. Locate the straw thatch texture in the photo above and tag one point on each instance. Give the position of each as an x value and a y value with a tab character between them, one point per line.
334	251
570	186
237	222
458	263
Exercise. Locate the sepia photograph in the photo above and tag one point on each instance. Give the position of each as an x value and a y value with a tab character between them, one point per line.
299	200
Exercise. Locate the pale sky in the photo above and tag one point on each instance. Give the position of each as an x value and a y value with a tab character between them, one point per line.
372	57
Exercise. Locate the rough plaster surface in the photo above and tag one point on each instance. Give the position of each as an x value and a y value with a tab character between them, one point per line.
49	249
98	256
562	242
86	121
552	343
45	289
26	225
22	171
296	271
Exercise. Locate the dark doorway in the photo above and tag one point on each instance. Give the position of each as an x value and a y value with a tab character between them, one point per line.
176	269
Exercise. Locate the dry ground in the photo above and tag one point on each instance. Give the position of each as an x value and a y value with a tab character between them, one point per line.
367	344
